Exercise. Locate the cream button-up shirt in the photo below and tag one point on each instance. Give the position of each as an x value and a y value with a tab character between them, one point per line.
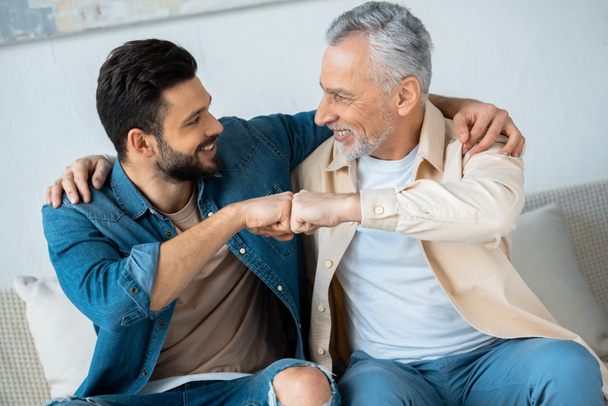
462	211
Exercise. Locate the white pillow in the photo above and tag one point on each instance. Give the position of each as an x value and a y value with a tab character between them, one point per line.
64	338
543	256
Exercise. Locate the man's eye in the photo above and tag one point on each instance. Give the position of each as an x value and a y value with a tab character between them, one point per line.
341	98
195	120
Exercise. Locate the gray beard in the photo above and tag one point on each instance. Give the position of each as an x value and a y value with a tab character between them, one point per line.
365	146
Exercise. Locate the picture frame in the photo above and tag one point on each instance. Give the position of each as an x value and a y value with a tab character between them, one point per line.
25	20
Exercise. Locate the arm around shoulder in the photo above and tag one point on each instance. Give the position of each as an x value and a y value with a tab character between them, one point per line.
476	200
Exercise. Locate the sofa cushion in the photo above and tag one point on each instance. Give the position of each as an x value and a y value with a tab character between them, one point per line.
64	338
543	256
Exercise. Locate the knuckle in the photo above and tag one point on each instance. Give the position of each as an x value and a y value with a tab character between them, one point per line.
502	114
66	184
79	179
490	108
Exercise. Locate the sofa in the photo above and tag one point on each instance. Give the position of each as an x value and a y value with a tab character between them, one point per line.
560	247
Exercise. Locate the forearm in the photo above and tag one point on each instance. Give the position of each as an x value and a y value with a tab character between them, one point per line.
448	106
181	258
347	208
481	207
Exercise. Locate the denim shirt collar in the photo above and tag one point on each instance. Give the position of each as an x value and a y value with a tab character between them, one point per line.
130	199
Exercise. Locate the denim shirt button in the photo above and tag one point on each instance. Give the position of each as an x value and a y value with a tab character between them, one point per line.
210	214
134	290
161	325
145	373
242	250
280	288
169	234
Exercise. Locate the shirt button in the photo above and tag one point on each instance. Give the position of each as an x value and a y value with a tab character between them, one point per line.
168	233
145	373
161	325
210	214
242	250
134	290
321	350
379	210
280	288
321	308
328	263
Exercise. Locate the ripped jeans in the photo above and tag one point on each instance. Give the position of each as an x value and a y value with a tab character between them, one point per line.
254	390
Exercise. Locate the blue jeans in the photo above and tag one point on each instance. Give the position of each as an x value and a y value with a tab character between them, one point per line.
254	390
536	371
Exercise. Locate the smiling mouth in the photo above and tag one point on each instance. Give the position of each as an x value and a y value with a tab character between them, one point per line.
207	147
341	133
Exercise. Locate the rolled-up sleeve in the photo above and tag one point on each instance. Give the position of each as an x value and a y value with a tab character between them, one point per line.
481	207
111	287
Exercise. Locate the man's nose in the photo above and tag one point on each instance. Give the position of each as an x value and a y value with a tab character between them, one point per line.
325	113
216	128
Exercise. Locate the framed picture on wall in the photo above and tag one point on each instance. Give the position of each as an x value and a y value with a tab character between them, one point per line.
22	20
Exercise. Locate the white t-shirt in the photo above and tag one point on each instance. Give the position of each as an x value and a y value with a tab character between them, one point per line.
394	305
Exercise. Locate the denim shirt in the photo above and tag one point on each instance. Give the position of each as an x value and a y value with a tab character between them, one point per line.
106	252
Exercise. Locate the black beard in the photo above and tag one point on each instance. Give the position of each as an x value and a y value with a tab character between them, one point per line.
176	167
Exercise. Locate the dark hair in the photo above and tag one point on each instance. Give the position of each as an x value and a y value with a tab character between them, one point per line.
131	83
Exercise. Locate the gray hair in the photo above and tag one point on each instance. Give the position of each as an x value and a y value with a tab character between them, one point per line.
400	44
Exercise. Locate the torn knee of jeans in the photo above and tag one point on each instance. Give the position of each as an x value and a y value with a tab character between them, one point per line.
75	400
272	397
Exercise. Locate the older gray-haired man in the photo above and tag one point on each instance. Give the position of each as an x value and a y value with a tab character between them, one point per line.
414	275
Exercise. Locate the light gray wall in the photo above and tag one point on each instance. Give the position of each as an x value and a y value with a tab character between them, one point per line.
546	61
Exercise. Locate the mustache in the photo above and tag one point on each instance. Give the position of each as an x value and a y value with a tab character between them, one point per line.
336	127
207	143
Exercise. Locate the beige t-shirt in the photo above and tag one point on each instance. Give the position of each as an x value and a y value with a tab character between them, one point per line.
226	320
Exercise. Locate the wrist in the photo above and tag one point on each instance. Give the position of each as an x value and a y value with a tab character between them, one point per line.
352	208
231	217
111	159
449	106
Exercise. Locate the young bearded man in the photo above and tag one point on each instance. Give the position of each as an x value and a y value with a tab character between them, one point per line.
189	304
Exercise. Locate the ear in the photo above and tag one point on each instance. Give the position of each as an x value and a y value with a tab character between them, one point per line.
141	143
408	95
